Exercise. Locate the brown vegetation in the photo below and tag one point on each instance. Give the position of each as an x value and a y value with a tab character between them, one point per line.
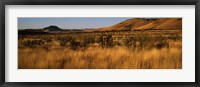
146	49
98	58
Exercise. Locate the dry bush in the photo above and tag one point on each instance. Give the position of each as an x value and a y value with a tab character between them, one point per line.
154	49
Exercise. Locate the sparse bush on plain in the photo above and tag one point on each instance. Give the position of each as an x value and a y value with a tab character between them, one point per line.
150	49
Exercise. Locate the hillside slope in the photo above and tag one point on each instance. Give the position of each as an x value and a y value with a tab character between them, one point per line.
144	24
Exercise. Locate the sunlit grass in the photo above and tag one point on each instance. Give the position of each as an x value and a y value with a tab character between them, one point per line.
149	49
99	58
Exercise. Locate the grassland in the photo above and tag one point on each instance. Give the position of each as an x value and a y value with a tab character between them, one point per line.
145	49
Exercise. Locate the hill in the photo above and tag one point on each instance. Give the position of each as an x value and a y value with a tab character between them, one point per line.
146	23
51	28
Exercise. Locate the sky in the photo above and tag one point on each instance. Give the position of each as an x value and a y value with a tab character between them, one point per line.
69	22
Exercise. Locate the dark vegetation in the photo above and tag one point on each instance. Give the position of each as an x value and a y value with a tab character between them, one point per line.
134	39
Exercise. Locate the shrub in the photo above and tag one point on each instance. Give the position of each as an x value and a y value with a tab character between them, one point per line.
33	43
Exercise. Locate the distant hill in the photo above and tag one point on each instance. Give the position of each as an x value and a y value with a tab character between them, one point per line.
51	28
47	30
146	24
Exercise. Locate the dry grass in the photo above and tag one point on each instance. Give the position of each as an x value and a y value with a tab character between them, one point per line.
100	58
149	49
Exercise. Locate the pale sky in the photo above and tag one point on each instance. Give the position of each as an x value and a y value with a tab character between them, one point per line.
69	22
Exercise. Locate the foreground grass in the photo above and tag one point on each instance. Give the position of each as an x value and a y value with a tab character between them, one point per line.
100	58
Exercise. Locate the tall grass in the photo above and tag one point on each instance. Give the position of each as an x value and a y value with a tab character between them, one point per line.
149	49
100	58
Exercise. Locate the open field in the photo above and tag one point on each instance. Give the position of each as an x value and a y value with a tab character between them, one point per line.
142	49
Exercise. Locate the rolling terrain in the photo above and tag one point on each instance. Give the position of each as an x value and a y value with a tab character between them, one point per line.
146	24
138	43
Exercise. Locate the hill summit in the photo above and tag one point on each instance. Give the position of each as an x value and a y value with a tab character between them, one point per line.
147	24
52	28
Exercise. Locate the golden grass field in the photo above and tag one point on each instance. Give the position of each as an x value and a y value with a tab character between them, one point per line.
98	58
156	49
